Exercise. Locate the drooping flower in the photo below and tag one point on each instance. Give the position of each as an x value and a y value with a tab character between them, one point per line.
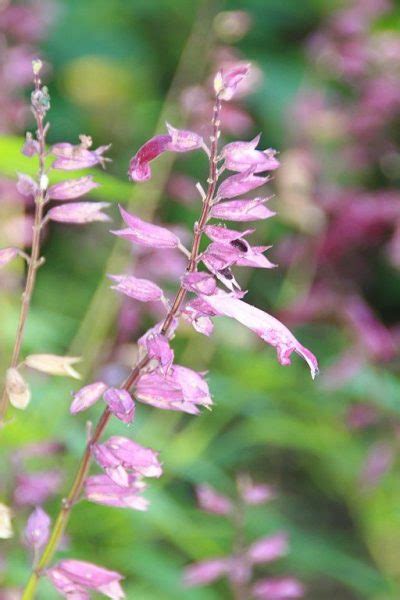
121	404
139	289
139	168
241	183
265	326
203	573
241	156
278	588
72	578
242	210
212	501
226	81
100	489
146	234
119	456
79	212
219	233
37	529
87	396
72	188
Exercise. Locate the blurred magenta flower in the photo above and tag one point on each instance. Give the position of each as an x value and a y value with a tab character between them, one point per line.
139	289
37	529
120	455
100	489
212	501
283	588
120	403
79	212
73	579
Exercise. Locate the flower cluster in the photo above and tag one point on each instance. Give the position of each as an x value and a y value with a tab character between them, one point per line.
239	567
208	288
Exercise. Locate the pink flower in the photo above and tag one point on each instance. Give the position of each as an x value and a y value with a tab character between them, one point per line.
158	347
203	573
79	212
35	488
278	588
30	147
226	81
26	185
183	140
70	157
37	529
121	404
72	188
255	493
213	502
73	577
7	255
139	168
242	210
139	289
87	396
146	234
199	283
118	455
268	548
241	183
100	489
241	156
265	326
218	233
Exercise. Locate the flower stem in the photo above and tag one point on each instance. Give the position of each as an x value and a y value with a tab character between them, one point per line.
83	469
34	261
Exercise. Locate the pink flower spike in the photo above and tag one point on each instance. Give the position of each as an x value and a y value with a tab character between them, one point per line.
139	289
72	188
37	529
79	212
241	156
265	326
87	396
278	588
242	210
218	233
7	255
183	140
100	489
146	234
26	185
199	283
69	575
70	157
213	502
203	573
121	404
268	549
121	451
226	81
139	168
241	183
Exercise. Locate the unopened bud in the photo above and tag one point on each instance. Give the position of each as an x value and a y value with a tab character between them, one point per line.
5	522
17	389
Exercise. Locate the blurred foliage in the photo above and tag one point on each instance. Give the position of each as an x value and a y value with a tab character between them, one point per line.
112	64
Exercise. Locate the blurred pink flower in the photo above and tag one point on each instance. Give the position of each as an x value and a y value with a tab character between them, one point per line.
212	501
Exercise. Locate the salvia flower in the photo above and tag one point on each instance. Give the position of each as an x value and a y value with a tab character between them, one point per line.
72	188
53	364
183	140
241	183
268	548
158	348
241	156
146	234
101	489
226	81
70	157
79	212
242	210
212	501
72	578
139	289
206	572
26	185
87	396
121	404
278	588
37	528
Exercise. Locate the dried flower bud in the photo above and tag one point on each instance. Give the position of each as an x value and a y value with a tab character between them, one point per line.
5	522
53	364
17	389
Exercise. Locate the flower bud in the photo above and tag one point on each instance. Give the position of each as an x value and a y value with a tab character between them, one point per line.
5	522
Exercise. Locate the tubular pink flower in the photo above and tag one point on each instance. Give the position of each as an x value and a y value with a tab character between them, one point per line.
265	326
278	588
139	168
75	576
268	548
139	289
213	502
121	404
100	489
146	234
242	210
72	188
241	156
226	81
70	157
203	573
37	529
241	183
79	212
87	396
122	454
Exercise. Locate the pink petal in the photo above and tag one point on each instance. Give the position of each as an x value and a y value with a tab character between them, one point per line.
131	455
158	348
199	283
265	326
72	188
241	156
121	404
242	210
70	157
203	573
102	490
37	529
79	212
87	396
226	81
139	289
146	234
213	502
88	575
268	548
218	233
139	169
183	140
241	183
278	588
26	185
7	255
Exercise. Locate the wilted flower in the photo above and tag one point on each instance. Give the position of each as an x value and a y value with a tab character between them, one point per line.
226	82
72	578
53	364
17	389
